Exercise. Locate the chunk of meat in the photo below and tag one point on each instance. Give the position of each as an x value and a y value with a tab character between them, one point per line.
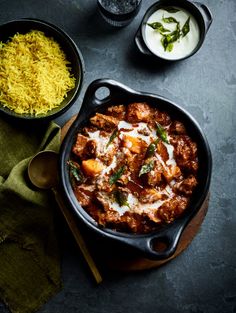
161	117
154	177
117	111
124	179
171	172
144	131
109	157
103	200
131	222
162	150
186	186
104	121
111	218
171	209
153	216
83	198
177	128
149	195
79	145
103	184
90	149
138	112
126	222
133	161
192	166
88	129
84	147
185	152
92	167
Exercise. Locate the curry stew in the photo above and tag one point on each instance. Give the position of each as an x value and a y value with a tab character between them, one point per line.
133	168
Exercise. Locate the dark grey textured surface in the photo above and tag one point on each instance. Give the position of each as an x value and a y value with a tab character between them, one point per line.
203	278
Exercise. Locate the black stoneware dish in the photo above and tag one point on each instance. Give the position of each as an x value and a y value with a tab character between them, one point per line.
200	11
169	234
72	52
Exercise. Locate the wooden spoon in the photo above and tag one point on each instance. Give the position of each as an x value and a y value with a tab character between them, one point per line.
42	172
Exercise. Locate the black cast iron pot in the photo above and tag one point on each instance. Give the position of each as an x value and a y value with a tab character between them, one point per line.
169	234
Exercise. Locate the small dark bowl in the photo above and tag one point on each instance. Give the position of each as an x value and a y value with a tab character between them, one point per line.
143	244
72	52
200	11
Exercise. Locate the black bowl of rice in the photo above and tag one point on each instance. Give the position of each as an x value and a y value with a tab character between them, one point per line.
41	70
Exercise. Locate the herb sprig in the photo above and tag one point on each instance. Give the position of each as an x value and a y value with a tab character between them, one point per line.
151	148
186	28
169	20
112	137
75	172
159	27
121	198
146	168
169	38
117	175
161	133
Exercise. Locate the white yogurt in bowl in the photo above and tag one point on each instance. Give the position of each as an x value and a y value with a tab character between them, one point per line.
176	33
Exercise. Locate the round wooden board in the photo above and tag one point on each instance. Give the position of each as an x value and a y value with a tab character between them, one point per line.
125	263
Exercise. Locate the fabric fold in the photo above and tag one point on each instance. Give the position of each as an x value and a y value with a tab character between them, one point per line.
29	254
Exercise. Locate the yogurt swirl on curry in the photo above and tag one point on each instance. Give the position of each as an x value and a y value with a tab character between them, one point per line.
133	168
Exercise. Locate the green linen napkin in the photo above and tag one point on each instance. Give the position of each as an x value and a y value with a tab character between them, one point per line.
29	255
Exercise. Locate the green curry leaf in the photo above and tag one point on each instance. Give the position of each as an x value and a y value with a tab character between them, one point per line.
121	198
112	137
146	168
117	175
75	172
175	35
151	148
169	20
161	133
165	41
159	27
186	27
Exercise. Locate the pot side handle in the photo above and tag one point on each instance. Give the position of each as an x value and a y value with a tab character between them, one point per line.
114	90
161	246
140	43
207	15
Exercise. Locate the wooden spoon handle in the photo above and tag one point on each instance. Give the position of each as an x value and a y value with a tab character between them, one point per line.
78	237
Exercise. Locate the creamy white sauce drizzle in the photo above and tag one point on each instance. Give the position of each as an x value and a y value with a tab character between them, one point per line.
107	169
183	46
94	135
125	125
134	131
134	205
168	191
147	207
170	150
161	160
120	209
101	141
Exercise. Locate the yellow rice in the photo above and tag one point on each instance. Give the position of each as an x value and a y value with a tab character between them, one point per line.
34	74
